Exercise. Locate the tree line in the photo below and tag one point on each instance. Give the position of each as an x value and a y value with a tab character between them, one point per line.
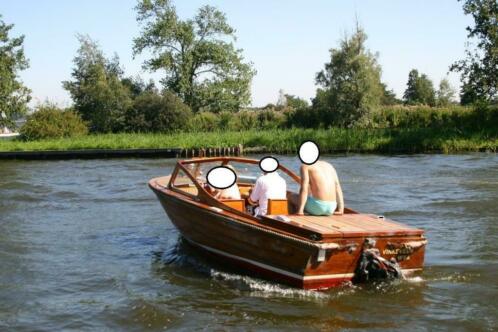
207	80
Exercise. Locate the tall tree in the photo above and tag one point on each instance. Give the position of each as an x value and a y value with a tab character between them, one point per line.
426	91
479	71
14	96
98	92
419	89
445	93
201	63
351	86
389	96
410	96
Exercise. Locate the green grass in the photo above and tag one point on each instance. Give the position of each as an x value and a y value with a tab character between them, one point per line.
416	140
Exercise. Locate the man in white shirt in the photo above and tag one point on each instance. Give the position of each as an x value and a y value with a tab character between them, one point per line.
268	186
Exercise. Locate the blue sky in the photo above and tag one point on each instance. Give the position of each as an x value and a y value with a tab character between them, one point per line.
287	41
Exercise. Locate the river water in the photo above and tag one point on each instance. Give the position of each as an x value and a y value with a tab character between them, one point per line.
85	245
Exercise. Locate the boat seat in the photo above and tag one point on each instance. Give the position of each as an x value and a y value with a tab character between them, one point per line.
278	206
237	204
244	191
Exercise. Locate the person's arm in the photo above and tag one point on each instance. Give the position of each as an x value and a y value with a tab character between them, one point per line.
340	198
255	194
303	191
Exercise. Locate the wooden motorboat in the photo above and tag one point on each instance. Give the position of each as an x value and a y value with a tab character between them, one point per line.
308	252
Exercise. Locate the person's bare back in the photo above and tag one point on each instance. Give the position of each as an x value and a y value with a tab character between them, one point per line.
321	181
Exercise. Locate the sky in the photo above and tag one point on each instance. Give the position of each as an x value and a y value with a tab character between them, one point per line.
287	42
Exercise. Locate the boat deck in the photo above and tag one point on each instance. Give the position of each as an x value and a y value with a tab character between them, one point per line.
346	225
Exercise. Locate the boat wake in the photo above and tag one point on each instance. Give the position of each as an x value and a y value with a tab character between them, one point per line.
415	280
266	289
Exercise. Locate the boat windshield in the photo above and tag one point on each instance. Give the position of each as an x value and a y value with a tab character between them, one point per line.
246	173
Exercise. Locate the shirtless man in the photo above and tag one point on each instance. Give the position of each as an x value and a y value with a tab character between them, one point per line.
326	197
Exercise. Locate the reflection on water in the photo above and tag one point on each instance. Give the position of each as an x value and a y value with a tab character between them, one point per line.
84	245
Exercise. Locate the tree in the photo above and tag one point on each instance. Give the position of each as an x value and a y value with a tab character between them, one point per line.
201	63
97	90
389	96
479	71
152	112
410	96
14	96
296	102
426	92
351	82
419	90
445	94
468	94
137	86
282	100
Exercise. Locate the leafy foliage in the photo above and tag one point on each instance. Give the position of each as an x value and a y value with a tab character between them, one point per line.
479	71
444	118
419	90
137	86
245	120
152	112
445	94
204	122
309	117
97	89
351	83
14	96
49	121
389	96
296	102
201	63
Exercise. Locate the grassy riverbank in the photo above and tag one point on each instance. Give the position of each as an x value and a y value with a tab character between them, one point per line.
283	141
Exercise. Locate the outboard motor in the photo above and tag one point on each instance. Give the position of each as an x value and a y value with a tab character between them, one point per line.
372	266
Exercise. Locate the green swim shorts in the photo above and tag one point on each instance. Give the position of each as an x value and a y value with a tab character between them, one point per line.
318	207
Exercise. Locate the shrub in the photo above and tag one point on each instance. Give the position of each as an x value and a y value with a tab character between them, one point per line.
225	120
49	121
421	117
270	119
204	121
245	120
307	117
152	112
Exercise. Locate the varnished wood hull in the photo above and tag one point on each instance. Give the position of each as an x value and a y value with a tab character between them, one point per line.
275	254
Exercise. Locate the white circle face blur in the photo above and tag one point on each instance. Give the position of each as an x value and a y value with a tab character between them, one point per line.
268	164
309	153
221	177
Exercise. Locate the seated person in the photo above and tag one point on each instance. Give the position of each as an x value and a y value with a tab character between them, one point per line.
231	192
326	192
268	186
